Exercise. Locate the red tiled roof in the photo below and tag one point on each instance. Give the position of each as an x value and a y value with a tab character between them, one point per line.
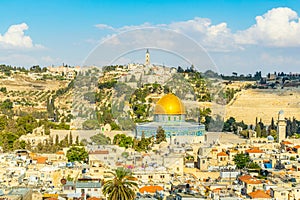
41	159
286	142
258	194
254	150
253	181
249	179
245	177
216	189
222	154
297	147
99	152
150	189
93	198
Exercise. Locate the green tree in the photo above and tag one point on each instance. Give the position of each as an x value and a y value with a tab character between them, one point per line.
70	138
253	165
7	140
3	89
245	133
241	160
114	126
39	147
143	144
264	132
6	104
27	122
294	126
3	122
272	126
77	154
292	158
123	141
77	140
64	142
258	130
19	144
84	142
121	186
160	135
100	139
90	124
56	140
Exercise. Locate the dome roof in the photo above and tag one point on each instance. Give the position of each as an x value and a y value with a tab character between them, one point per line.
169	105
270	138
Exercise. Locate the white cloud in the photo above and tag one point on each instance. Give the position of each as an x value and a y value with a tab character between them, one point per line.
123	28
16	38
104	26
273	40
278	27
213	37
216	37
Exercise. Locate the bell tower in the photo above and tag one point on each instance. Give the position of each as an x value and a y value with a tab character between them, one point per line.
281	127
147	58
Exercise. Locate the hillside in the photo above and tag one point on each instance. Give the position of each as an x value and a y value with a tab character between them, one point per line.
264	104
23	82
29	92
129	93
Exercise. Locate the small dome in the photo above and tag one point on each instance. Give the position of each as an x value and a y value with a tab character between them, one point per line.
169	105
270	138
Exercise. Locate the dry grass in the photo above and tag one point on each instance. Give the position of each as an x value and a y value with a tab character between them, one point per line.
25	83
264	104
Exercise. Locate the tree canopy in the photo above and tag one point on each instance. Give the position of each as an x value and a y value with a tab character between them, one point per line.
160	135
77	154
100	139
123	141
241	160
121	186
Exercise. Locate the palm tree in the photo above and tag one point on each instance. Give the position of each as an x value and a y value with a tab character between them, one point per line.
122	186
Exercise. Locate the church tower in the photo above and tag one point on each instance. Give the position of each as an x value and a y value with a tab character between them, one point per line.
281	127
147	58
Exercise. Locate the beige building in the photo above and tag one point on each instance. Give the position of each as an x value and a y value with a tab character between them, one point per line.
281	127
150	175
147	58
255	152
67	72
222	158
285	193
249	184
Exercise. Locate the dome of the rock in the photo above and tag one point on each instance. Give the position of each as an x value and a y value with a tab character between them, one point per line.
169	105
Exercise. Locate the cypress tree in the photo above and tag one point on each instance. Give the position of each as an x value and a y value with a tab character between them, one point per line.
56	140
258	130
70	138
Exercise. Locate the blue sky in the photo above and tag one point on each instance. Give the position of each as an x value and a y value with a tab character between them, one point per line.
241	36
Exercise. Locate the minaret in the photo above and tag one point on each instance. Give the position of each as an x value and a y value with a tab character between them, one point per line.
147	58
281	127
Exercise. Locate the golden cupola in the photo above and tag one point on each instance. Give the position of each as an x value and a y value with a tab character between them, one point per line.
169	104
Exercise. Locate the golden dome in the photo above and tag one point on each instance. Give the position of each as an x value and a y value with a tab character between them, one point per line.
169	105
